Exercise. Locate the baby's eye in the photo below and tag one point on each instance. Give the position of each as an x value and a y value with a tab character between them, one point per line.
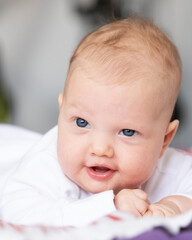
128	132
80	122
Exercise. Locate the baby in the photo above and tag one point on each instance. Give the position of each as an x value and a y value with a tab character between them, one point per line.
109	151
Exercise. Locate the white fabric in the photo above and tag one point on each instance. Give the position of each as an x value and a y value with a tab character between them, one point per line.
35	191
14	142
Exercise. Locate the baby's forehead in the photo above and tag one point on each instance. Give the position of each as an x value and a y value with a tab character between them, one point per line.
114	75
143	90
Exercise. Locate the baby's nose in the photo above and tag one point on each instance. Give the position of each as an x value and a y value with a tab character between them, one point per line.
101	145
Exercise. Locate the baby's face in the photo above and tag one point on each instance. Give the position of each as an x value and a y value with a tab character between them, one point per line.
110	136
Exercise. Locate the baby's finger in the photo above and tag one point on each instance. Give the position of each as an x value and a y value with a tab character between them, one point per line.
158	213
141	194
141	206
148	213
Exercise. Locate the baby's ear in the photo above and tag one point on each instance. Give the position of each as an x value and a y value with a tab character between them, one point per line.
170	133
60	100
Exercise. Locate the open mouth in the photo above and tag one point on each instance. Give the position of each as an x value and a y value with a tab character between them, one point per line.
100	173
100	169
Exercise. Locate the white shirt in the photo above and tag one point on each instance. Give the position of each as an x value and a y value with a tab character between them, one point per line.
35	190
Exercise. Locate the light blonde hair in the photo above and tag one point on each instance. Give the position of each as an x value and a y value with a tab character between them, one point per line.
127	47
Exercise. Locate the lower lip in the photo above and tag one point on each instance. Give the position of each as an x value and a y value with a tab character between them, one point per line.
101	176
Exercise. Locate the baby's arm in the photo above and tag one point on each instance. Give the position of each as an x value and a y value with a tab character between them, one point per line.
27	204
133	201
170	206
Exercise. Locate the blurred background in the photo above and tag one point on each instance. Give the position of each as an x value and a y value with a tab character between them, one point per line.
37	38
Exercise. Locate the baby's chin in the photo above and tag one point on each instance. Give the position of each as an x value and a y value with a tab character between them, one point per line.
98	189
95	189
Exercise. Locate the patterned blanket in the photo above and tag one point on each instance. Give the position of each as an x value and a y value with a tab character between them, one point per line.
117	226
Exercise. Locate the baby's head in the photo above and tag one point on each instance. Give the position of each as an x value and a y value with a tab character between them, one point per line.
120	92
128	50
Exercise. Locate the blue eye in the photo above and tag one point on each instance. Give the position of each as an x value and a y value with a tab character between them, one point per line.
80	122
129	132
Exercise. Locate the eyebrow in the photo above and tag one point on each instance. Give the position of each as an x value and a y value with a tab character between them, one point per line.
74	106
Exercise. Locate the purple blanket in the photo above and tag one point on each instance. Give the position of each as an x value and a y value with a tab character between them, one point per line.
160	233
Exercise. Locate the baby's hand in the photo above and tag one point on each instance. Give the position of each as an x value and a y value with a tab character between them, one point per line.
162	208
133	201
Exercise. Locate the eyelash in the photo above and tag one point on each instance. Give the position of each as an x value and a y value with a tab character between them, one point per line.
82	123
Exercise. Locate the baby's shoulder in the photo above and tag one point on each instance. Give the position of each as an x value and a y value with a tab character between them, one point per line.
172	175
174	160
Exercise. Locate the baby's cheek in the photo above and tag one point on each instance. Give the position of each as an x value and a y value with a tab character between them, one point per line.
140	171
63	159
147	169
